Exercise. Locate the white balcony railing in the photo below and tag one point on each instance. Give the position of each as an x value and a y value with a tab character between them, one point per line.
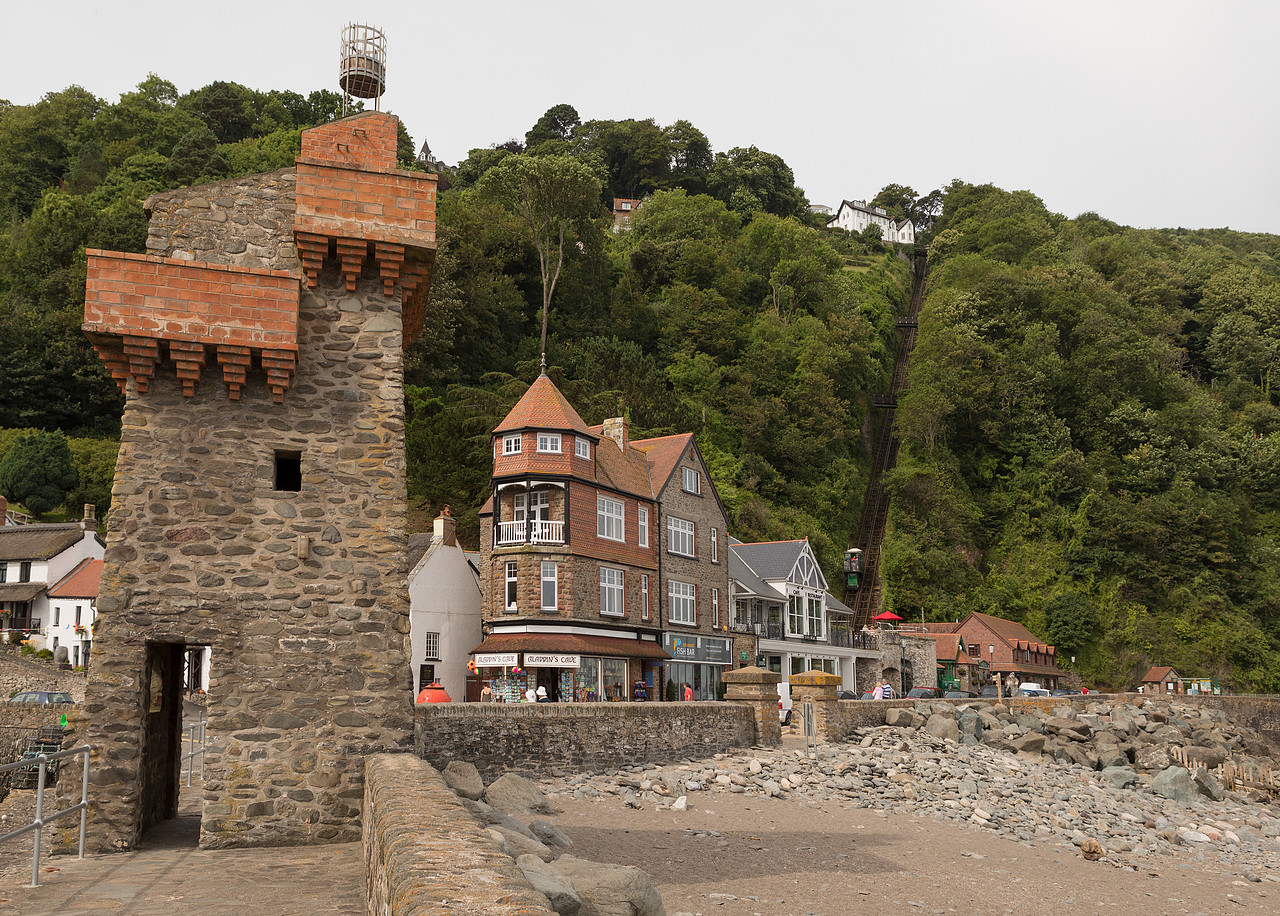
535	532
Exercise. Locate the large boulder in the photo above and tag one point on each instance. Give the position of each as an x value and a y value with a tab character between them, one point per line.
1110	755
517	796
516	844
1120	777
944	727
610	890
1074	729
902	718
559	891
463	778
971	724
1032	743
1175	783
1207	757
1207	784
550	834
1152	757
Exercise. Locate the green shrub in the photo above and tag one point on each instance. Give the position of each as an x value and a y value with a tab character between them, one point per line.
44	653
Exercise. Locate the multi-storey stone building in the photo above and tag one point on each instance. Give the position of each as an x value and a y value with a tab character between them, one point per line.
259	499
583	586
694	564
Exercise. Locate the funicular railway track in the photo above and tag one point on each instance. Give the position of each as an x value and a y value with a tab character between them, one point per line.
865	601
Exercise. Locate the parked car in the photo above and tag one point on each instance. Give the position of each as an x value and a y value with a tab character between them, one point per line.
846	695
925	693
959	695
869	695
1033	692
1065	693
991	690
784	703
41	696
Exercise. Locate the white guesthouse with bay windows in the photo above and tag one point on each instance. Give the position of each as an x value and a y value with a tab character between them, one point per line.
780	595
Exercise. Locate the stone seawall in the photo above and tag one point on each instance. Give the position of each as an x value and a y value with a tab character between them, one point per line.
18	673
425	854
551	737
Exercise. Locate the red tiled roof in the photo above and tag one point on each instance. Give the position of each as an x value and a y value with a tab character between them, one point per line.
1158	673
543	407
952	651
626	471
1008	630
664	454
572	644
81	582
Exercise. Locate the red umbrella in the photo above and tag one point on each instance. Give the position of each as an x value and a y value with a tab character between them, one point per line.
887	615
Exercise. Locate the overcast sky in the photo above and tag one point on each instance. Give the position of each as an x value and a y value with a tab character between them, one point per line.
1153	113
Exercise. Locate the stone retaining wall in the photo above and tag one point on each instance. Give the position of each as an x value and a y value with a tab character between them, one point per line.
571	737
19	672
425	854
1262	714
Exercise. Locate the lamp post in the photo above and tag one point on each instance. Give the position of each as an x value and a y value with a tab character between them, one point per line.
991	650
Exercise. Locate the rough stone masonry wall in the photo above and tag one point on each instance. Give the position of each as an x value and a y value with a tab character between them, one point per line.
18	673
308	670
424	853
571	737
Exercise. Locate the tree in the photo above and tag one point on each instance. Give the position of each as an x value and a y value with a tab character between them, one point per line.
558	123
898	200
37	472
197	156
552	200
752	180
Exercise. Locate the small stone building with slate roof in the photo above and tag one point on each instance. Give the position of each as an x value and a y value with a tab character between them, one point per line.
1162	679
34	557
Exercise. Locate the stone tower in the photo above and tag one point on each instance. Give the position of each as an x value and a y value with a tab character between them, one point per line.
259	499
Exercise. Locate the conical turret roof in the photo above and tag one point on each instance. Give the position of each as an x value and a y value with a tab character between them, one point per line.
543	407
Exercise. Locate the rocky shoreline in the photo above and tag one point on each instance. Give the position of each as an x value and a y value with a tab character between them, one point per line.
1100	779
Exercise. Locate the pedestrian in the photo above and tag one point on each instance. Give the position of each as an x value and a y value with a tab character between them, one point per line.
486	693
542	696
888	691
1084	691
688	692
878	693
531	695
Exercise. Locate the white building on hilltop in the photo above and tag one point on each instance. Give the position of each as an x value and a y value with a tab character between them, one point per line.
855	215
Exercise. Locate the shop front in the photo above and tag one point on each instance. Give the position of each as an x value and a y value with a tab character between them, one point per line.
569	667
696	666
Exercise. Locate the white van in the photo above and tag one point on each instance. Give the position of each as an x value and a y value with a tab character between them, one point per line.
784	702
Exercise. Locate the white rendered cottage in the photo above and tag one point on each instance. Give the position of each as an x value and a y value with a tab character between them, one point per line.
444	610
855	215
32	558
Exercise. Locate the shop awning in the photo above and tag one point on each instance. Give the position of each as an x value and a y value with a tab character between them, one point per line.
572	644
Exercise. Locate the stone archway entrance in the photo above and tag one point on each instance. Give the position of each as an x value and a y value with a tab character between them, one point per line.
161	733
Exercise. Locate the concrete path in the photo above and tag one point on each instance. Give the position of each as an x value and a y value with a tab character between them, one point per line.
170	875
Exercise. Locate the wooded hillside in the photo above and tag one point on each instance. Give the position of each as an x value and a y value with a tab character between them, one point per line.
1091	443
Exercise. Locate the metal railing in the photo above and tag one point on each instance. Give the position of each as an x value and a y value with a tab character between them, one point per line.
190	750
37	825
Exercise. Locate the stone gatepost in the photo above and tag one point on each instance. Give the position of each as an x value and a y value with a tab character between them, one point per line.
819	688
759	688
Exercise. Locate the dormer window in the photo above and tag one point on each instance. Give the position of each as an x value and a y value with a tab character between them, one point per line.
511	445
582	448
549	442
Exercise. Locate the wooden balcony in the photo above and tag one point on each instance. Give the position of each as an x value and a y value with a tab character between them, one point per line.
511	534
